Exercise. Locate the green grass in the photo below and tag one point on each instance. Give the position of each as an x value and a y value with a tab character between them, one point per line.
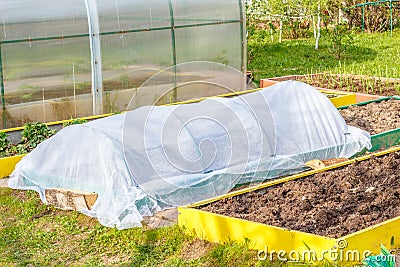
33	234
371	54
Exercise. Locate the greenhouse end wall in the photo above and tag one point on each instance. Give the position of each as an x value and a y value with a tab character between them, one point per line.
75	58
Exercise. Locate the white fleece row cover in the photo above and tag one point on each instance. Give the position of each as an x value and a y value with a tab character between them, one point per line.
156	157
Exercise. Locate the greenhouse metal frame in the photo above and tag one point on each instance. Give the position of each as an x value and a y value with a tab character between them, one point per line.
376	3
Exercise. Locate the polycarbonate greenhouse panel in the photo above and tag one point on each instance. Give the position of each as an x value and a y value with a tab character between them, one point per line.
30	19
130	59
84	57
127	15
45	70
203	43
187	12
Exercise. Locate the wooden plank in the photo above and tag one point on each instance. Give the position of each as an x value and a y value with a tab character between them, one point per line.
70	199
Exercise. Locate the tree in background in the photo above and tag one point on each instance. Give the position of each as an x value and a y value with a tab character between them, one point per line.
296	16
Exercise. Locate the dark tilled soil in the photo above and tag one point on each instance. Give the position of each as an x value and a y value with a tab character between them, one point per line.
333	203
375	117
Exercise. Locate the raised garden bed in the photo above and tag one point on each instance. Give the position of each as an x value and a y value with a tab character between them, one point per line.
375	117
355	83
332	203
348	207
348	83
17	142
13	142
7	165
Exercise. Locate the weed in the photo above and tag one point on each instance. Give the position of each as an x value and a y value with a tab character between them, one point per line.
74	122
232	254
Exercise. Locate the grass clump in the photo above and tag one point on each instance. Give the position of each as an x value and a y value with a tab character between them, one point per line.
74	122
34	234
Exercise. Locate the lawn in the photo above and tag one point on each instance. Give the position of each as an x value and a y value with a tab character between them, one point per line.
370	54
33	234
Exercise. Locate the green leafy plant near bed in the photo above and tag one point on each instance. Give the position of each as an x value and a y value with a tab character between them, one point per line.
34	133
3	143
31	136
14	150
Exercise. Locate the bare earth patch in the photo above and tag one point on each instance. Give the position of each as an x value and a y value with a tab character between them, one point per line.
196	249
375	117
332	203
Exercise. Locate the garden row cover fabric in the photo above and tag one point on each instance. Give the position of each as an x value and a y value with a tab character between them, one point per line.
152	158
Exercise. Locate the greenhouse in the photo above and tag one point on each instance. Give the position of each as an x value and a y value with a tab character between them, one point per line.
68	59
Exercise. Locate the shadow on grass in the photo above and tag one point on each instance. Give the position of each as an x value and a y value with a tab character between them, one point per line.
299	57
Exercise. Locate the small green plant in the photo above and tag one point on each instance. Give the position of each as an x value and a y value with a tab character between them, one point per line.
32	134
341	38
74	122
4	144
386	83
309	79
397	87
35	133
14	150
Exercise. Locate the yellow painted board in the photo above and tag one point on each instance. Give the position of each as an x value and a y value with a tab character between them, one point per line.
343	100
295	244
369	239
219	228
340	99
7	165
